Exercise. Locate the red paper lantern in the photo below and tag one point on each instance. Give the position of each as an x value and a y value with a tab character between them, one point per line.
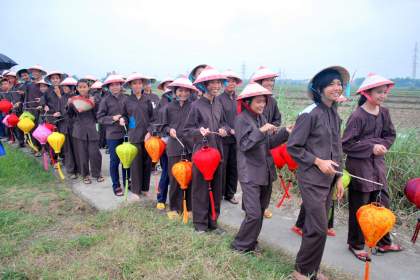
207	160
50	126
291	163
13	120
5	106
278	159
412	191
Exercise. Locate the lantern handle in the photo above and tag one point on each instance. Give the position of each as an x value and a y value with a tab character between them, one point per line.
183	146
205	141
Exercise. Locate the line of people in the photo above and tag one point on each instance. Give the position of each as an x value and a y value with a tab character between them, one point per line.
206	109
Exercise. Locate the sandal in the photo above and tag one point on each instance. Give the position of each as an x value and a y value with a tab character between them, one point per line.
363	256
73	176
389	248
87	180
268	214
100	179
118	192
331	232
297	230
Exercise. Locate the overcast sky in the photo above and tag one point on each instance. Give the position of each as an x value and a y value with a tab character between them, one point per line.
167	38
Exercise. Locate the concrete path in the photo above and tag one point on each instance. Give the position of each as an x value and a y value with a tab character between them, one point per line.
276	232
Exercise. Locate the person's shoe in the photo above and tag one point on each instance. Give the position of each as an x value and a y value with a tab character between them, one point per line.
219	231
268	214
160	206
298	276
297	230
173	215
331	232
232	200
200	231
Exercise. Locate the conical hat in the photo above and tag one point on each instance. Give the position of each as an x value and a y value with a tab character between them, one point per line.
55	72
230	74
160	85
253	89
209	74
39	68
113	79
263	73
97	85
135	76
43	81
69	81
373	81
9	73
182	82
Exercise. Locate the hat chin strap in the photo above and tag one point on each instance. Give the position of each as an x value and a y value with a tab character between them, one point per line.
368	97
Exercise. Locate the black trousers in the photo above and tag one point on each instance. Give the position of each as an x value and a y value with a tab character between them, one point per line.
255	199
317	202
230	171
301	217
140	171
89	156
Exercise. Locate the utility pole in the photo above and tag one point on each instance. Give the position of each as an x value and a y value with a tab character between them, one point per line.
414	73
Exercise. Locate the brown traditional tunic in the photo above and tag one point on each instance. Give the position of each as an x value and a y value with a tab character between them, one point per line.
316	135
207	114
271	111
256	174
110	106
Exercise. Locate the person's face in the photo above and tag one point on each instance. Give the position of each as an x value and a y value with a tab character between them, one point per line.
148	87
136	86
83	88
36	74
66	89
5	86
258	104
378	95
214	87
333	91
182	93
115	88
25	77
43	88
231	85
12	79
268	83
165	86
55	79
198	72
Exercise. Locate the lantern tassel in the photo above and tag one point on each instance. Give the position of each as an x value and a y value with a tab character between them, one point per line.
31	144
52	157
213	208
416	232
12	138
45	159
126	186
286	192
60	172
185	214
367	268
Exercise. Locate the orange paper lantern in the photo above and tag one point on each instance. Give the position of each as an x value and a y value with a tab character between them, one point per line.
182	172
155	148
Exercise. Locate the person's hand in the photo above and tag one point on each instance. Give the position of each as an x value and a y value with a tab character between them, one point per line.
326	166
204	131
222	132
379	150
39	108
37	99
172	133
116	118
122	121
46	108
289	128
268	127
57	90
340	188
148	135
232	132
57	114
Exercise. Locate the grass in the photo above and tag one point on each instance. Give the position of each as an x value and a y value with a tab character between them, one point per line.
47	232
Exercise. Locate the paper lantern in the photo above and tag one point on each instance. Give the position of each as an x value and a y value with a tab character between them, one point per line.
50	127
155	148
412	192
207	159
291	164
12	120
26	125
126	152
5	106
82	104
346	179
27	114
278	159
56	141
41	134
375	221
182	172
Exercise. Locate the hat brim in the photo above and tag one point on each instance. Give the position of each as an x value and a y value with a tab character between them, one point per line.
43	72
344	74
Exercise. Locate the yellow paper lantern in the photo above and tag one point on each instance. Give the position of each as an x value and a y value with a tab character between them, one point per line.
26	125
126	152
56	141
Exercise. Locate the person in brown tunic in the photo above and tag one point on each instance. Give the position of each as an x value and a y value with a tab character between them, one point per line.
229	168
109	114
51	100
85	136
193	76
138	114
147	91
267	78
206	120
98	93
65	126
368	136
255	137
315	144
173	122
